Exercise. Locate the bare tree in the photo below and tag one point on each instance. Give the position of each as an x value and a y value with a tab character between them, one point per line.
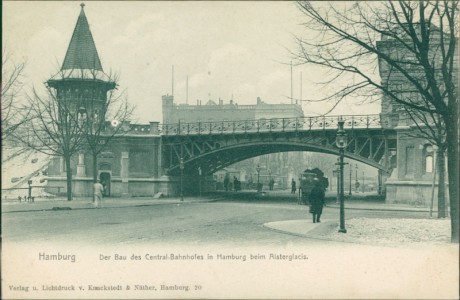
350	44
101	122
54	131
14	113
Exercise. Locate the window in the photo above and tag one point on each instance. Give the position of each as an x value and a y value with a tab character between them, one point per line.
428	162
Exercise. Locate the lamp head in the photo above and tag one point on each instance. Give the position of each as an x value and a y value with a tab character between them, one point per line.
341	138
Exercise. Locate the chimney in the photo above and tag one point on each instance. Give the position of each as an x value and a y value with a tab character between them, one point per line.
154	127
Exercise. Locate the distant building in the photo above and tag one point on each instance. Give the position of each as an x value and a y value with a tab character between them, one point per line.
212	111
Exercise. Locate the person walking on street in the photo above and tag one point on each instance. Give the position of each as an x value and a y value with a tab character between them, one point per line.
98	190
317	201
293	186
226	181
235	183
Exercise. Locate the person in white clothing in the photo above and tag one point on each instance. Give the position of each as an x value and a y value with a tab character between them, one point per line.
98	190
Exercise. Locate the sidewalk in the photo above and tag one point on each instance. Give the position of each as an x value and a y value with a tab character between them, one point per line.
87	203
306	228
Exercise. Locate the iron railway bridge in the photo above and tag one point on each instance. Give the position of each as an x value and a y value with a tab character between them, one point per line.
210	146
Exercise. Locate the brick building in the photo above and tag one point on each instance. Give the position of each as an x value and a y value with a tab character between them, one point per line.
415	157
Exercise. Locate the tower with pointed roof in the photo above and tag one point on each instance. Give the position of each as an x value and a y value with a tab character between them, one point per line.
81	89
81	81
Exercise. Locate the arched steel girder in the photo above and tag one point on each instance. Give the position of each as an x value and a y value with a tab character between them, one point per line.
221	157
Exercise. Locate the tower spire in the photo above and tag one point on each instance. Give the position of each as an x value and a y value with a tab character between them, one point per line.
81	53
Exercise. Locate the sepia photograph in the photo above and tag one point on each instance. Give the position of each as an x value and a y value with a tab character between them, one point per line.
230	150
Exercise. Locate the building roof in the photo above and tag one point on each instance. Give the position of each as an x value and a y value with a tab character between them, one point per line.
82	53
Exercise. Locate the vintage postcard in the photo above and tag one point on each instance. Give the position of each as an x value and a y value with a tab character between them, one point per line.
229	150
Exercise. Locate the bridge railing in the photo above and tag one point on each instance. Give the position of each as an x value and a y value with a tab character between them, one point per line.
271	125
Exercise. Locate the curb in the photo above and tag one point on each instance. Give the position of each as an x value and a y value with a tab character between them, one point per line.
382	209
67	208
307	235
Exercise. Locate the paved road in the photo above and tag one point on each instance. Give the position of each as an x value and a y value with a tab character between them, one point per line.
231	222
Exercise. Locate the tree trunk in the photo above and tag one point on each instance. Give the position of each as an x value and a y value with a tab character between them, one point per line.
68	177
94	170
441	182
452	169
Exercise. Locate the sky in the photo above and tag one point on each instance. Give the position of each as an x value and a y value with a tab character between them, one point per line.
227	50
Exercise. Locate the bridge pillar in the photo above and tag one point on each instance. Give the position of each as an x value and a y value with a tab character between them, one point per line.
411	180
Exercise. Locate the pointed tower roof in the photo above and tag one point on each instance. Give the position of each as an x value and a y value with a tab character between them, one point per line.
82	53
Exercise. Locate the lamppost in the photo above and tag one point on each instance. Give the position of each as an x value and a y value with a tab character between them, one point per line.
349	192
258	177
199	174
181	179
29	182
356	179
270	178
341	142
336	173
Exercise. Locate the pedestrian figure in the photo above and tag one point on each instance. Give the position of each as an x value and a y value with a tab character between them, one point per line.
271	184
317	201
226	182
293	186
98	190
235	183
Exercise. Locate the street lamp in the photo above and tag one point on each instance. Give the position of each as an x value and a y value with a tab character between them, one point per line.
29	182
349	192
199	174
335	173
258	176
270	178
356	179
181	179
341	142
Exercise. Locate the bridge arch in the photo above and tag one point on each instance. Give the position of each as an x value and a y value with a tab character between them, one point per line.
214	152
